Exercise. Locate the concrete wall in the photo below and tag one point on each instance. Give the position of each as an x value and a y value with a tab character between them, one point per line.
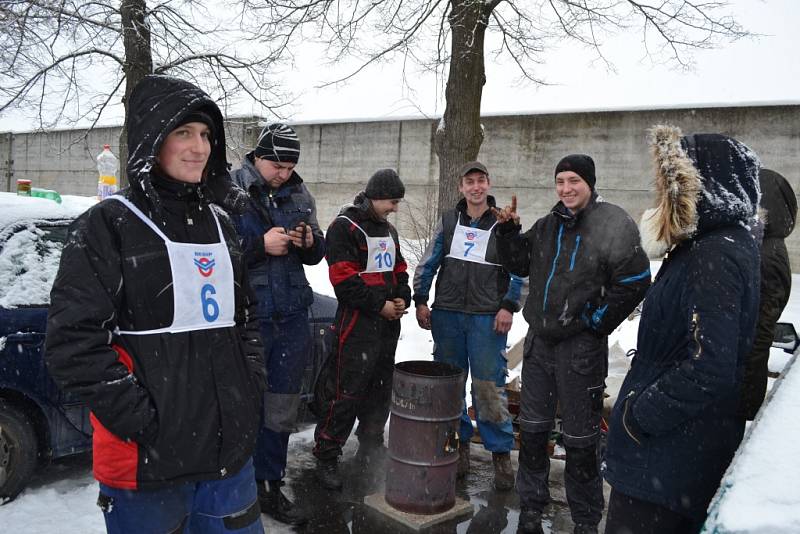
519	150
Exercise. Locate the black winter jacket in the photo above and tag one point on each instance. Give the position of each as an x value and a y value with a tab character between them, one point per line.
587	271
279	281
780	205
166	407
674	427
347	256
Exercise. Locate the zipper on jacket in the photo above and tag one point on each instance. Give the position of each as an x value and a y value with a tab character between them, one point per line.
553	268
695	330
625	415
575	252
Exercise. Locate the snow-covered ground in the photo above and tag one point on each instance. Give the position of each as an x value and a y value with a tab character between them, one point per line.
63	498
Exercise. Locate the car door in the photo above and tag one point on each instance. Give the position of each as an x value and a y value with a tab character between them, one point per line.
29	261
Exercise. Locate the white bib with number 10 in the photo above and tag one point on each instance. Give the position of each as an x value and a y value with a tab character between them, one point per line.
380	251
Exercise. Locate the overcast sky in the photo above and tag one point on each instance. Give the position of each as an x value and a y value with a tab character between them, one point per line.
759	69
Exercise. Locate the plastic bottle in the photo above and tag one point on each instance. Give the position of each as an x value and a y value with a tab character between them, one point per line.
24	187
107	165
46	193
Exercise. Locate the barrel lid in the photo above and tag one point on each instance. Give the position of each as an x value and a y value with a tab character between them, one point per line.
428	368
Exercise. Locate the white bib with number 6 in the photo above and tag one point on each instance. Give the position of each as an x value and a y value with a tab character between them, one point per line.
380	251
202	281
469	244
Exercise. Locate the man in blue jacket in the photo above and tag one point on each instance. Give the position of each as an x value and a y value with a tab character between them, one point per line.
280	234
475	301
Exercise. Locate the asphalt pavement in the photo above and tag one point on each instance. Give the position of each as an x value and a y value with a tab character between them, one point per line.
344	512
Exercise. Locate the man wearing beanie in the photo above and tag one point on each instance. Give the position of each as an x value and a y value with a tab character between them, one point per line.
472	313
280	234
587	273
369	276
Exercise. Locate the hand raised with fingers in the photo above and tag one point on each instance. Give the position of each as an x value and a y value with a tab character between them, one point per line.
509	213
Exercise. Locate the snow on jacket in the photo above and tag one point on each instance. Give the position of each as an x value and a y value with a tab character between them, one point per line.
674	429
166	407
780	208
279	281
347	257
587	270
465	286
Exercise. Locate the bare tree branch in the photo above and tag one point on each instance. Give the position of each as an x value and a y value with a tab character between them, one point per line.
448	37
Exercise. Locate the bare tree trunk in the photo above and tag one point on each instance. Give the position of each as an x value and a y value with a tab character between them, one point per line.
459	136
138	64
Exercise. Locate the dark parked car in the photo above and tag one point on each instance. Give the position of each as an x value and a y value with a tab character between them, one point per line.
38	422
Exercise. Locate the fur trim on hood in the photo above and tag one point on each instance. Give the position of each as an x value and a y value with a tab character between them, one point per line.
703	182
677	187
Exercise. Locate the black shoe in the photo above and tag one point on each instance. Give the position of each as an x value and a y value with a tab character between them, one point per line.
530	522
275	504
585	528
327	474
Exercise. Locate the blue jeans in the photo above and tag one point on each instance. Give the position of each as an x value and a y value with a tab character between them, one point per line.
208	507
469	342
287	349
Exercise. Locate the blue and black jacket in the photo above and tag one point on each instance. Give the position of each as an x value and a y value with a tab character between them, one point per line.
279	281
460	285
587	270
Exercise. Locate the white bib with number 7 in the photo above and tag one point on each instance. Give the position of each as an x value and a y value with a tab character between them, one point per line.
380	251
469	244
202	281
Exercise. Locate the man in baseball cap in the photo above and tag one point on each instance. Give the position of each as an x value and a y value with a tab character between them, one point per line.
472	314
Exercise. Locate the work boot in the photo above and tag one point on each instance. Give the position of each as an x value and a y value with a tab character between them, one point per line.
463	460
585	528
327	474
503	472
530	522
276	505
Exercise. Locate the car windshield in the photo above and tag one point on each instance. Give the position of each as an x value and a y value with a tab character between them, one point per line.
28	265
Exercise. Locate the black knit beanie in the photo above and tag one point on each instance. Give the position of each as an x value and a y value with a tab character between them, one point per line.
197	116
580	164
278	142
385	184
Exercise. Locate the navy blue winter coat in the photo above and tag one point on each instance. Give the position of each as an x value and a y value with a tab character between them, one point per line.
674	428
279	281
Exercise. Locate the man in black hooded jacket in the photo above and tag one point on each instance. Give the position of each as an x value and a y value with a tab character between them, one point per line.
780	206
151	325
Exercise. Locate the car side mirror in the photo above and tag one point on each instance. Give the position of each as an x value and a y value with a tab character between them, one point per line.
785	337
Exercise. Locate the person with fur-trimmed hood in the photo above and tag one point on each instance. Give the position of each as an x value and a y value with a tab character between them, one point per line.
675	426
587	273
151	324
369	277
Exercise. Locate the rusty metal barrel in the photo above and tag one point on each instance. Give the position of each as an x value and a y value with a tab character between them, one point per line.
423	437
